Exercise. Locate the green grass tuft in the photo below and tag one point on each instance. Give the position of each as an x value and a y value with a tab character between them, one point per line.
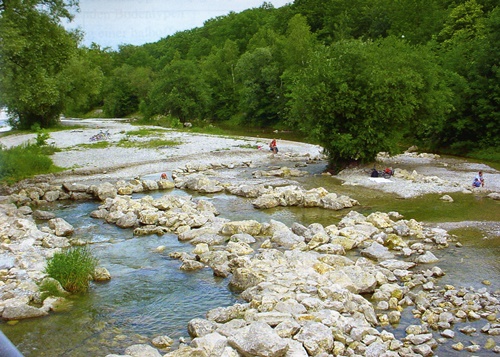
144	132
73	268
24	161
150	144
95	145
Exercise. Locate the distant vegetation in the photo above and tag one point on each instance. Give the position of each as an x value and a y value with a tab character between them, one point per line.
357	77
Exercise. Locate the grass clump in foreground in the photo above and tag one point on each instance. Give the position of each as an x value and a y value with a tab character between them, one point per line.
73	268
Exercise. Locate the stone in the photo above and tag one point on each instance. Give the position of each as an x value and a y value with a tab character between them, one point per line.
18	309
251	227
446	198
448	333
316	338
162	341
200	327
106	190
128	220
101	274
51	196
393	264
377	252
43	215
75	187
259	339
213	343
191	265
243	237
142	350
61	227
427	258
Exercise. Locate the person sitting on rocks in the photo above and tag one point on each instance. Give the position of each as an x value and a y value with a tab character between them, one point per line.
476	182
480	178
273	146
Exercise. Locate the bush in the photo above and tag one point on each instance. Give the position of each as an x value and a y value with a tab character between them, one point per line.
24	161
73	268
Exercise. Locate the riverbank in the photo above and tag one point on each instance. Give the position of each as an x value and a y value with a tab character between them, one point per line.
416	173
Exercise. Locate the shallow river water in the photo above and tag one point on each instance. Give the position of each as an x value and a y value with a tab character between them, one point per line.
149	296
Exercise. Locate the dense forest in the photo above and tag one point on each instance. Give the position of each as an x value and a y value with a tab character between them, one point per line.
356	76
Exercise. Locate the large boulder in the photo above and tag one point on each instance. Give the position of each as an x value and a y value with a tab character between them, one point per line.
106	190
213	344
61	227
142	351
316	338
377	252
251	227
259	339
18	309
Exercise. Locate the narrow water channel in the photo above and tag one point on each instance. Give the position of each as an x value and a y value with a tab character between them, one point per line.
149	296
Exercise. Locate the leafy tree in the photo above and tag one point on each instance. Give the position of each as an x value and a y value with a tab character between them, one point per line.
34	50
180	91
359	98
218	70
81	81
470	47
260	86
125	89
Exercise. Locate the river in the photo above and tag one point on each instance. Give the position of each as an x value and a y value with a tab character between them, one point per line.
4	124
149	296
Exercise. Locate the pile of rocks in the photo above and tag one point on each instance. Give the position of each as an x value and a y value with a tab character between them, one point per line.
42	193
305	297
24	250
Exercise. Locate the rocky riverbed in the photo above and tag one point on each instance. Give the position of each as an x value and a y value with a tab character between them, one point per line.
309	290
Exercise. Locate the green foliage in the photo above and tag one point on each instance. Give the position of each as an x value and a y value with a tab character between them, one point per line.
81	82
423	71
125	88
491	154
166	121
96	145
359	98
24	161
142	132
470	48
73	268
34	51
180	91
51	287
148	144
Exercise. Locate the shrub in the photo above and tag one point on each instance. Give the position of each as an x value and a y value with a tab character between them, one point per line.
73	268
24	161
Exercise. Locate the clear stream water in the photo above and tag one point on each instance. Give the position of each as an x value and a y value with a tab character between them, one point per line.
149	296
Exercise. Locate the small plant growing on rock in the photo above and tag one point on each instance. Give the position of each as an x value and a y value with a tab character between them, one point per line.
73	268
51	287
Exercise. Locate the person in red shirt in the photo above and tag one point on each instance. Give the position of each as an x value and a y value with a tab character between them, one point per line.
273	146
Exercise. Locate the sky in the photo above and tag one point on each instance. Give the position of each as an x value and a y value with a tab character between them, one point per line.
110	23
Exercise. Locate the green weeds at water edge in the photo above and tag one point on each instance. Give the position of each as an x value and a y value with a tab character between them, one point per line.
73	268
